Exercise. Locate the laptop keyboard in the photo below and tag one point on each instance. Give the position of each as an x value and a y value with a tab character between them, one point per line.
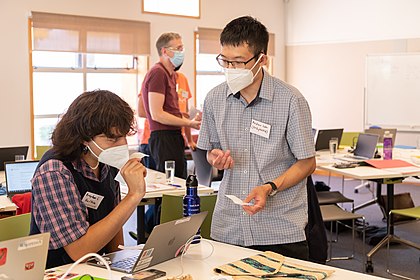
125	264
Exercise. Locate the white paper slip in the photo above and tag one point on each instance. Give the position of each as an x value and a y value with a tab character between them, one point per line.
138	155
237	200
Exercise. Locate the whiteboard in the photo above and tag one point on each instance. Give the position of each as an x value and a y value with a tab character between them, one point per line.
393	91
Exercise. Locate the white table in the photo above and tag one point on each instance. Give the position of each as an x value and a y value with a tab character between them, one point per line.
154	177
380	176
202	269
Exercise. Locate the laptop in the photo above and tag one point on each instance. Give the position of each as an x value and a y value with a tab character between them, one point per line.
18	176
8	154
381	132
365	148
323	138
164	243
24	257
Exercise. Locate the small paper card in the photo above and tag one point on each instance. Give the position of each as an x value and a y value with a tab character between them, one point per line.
237	200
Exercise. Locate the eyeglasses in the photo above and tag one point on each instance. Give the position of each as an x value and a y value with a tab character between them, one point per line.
179	49
235	64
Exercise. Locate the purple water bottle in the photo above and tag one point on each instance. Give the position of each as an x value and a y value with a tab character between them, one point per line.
191	200
387	154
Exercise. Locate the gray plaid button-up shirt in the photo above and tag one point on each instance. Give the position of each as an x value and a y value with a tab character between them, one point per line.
226	125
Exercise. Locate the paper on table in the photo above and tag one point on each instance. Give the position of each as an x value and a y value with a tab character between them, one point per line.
389	163
237	200
6	204
159	187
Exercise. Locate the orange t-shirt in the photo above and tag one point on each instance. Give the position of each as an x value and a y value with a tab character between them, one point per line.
184	94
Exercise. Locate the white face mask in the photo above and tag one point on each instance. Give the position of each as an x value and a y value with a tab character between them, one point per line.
115	156
238	79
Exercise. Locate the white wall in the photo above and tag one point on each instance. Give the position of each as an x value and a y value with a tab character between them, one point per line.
321	21
14	72
327	43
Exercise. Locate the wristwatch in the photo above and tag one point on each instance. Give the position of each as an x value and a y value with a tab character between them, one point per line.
274	190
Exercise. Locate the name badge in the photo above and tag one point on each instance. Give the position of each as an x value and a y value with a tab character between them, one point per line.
92	200
184	94
260	128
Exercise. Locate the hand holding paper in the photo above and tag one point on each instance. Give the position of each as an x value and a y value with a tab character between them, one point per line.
237	200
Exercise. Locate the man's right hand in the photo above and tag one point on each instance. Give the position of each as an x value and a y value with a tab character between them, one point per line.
133	173
221	159
195	123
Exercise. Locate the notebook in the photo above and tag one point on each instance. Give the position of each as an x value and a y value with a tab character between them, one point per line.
19	175
323	137
365	148
24	257
163	244
8	154
381	132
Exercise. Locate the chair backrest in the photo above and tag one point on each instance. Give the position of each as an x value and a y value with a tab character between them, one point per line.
172	209
349	139
40	151
203	169
15	226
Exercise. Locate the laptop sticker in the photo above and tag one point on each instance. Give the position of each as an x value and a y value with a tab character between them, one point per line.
29	266
30	243
3	256
186	219
143	263
147	253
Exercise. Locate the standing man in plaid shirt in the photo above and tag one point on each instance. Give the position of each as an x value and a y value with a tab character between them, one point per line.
258	129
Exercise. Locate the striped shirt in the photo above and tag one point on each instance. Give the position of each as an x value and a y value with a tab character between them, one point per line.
226	125
57	205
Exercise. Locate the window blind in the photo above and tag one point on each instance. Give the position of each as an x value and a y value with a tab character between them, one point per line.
209	41
59	32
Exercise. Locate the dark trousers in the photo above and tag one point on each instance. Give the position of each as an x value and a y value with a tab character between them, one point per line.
147	161
168	145
298	250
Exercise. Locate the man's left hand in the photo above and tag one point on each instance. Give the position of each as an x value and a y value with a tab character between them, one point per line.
259	194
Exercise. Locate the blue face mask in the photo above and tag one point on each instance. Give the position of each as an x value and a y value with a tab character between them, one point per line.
177	59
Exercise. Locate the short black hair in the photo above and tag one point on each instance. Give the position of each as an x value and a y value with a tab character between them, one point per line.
246	30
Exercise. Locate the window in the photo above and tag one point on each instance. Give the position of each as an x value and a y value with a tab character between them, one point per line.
187	8
208	72
74	54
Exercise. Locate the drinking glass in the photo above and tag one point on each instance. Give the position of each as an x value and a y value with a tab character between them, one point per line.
170	171
333	145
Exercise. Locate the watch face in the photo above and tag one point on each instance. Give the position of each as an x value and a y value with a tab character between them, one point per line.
273	193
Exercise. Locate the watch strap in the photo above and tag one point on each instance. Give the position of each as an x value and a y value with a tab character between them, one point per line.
273	187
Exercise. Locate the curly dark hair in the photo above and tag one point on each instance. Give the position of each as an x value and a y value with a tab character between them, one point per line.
90	114
246	30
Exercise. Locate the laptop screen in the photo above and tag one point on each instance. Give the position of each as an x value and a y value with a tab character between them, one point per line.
19	175
323	138
8	154
366	145
381	132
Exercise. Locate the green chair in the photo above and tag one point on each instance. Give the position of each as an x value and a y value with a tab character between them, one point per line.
413	212
15	226
349	139
172	209
40	151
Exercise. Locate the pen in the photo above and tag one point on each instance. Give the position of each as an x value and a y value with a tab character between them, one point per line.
175	185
